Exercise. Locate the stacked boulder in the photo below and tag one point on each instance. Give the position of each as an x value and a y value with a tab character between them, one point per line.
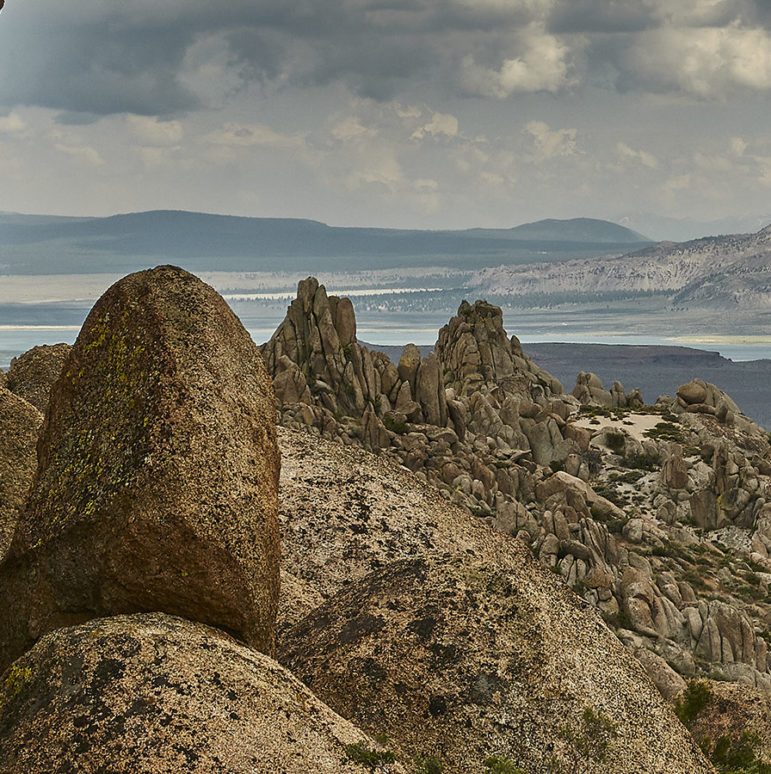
32	374
151	518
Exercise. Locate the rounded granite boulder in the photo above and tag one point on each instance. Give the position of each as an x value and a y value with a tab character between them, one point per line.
463	659
19	426
155	694
158	473
32	374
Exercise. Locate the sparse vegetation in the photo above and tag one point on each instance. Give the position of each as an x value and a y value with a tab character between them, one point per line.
736	756
428	764
367	756
588	744
501	764
630	477
619	620
694	699
640	462
394	425
615	441
666	431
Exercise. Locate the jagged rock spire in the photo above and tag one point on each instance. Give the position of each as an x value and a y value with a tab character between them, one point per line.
475	350
314	356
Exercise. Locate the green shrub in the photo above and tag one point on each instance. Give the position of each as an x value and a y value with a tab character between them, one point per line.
640	462
615	441
361	753
695	698
619	620
394	425
428	764
502	764
736	756
666	431
591	742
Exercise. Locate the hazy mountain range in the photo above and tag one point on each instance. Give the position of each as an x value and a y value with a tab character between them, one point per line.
32	244
726	271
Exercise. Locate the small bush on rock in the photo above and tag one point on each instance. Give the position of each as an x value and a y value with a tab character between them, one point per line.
501	764
428	764
695	698
361	753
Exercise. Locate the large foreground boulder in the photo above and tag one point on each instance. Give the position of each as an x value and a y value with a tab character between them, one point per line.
158	473
153	694
465	659
32	374
445	634
19	426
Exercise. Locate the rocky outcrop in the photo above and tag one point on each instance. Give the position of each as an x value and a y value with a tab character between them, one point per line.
19	426
443	633
314	356
32	374
600	486
153	693
472	417
699	397
158	471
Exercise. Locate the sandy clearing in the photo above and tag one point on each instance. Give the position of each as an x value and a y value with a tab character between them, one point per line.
634	424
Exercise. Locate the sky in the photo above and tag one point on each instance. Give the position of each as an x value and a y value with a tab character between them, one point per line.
394	113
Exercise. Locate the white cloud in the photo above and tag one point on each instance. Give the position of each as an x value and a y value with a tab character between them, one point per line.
152	131
550	143
411	111
250	135
440	123
351	128
640	156
542	66
12	124
82	153
738	146
386	171
707	62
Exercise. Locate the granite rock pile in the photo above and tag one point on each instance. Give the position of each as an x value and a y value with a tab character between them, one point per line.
657	516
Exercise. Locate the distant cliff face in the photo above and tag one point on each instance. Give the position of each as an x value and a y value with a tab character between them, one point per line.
731	271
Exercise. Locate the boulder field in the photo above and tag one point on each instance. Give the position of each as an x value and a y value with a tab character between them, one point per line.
442	599
657	516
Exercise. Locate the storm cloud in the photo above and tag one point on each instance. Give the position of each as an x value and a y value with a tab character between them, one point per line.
388	111
139	56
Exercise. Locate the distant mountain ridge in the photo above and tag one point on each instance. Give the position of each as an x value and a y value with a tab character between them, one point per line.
33	244
722	271
578	229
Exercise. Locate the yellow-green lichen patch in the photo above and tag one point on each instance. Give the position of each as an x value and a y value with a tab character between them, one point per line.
15	680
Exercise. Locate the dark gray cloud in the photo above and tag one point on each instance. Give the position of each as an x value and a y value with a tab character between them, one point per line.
589	16
101	58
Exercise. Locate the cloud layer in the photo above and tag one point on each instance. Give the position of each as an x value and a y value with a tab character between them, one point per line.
154	58
390	112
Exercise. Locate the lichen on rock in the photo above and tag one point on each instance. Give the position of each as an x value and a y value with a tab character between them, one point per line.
158	472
